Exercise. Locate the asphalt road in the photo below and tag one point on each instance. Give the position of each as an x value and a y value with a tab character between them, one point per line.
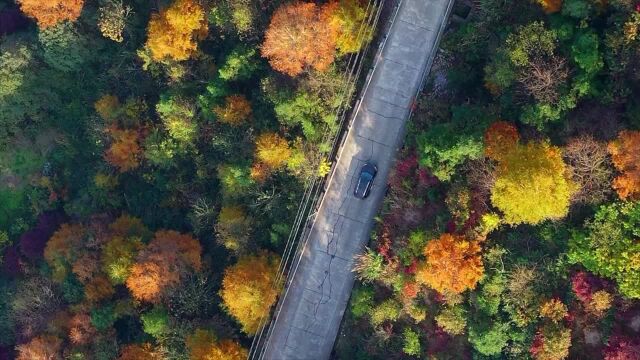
311	311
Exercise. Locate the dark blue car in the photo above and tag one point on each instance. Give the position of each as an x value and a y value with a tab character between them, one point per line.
365	180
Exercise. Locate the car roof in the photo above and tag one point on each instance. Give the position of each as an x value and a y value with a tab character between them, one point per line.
369	167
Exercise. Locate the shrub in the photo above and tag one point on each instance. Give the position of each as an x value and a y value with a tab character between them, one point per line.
361	301
388	310
452	319
155	322
609	245
489	338
411	342
369	266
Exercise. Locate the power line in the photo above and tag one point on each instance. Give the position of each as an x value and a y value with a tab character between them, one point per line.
354	62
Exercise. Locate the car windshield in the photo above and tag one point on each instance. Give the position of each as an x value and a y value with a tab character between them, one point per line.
366	176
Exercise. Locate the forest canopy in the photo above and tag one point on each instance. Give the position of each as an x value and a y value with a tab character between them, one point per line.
152	158
510	228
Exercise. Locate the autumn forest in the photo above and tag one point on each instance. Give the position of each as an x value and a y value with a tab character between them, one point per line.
511	229
153	155
152	158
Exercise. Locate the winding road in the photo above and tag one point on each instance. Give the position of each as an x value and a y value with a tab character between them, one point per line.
308	316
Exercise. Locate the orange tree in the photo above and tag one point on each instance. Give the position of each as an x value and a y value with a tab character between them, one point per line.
44	347
499	138
625	153
236	110
301	35
168	257
139	352
453	264
124	152
248	289
50	12
63	248
203	345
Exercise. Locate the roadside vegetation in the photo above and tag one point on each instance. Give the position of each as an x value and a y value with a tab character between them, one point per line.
511	229
152	157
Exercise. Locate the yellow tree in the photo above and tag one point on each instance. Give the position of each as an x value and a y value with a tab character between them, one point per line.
354	30
301	35
272	150
625	153
453	264
236	110
554	310
173	33
532	184
112	20
50	12
203	345
233	228
249	289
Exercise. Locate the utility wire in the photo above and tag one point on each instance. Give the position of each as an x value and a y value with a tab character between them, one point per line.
354	67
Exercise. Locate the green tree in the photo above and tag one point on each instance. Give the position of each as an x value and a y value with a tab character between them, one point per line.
178	117
579	9
102	318
530	43
369	266
118	255
306	110
64	47
160	149
489	337
609	246
452	319
361	301
388	310
586	54
445	146
354	24
411	342
155	322
240	64
23	94
490	295
235	180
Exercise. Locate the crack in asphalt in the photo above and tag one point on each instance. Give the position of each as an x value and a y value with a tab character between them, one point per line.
386	117
335	236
